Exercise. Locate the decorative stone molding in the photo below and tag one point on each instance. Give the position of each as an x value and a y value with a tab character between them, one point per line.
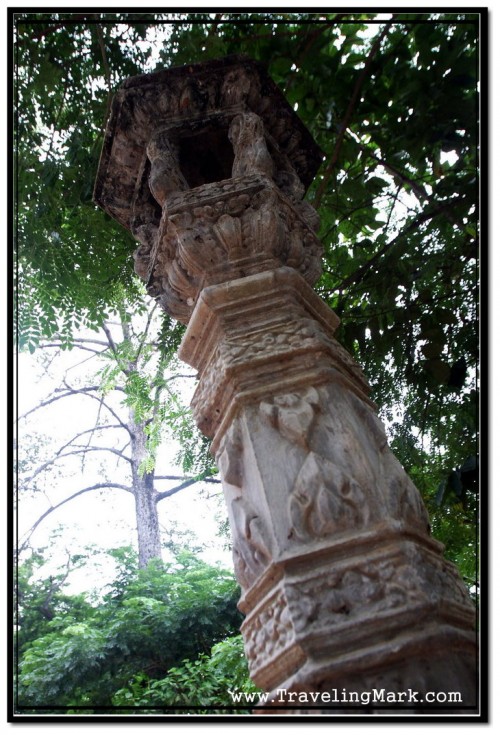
368	602
252	336
228	229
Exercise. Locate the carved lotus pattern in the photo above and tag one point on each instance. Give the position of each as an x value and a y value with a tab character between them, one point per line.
231	229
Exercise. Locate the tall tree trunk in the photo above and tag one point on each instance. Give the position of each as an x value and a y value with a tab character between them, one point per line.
146	509
148	528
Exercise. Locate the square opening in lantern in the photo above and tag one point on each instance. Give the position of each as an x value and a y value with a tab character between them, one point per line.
206	156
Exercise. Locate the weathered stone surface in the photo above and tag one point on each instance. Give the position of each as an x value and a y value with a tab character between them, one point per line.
207	168
220	232
252	336
342	585
331	543
195	106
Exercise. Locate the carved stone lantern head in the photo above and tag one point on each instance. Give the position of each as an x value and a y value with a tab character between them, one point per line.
206	165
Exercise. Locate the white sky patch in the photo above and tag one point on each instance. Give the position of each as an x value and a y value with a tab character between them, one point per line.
449	157
103	517
155	38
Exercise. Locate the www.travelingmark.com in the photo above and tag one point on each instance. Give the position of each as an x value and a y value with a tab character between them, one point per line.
344	697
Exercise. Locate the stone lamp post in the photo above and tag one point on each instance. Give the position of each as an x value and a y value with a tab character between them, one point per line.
343	589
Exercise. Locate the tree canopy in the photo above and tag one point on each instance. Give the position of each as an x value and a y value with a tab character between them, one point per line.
393	102
158	638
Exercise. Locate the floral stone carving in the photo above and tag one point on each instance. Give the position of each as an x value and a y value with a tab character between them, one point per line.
232	228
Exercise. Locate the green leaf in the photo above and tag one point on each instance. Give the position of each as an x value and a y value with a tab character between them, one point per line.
432	350
439	370
376	185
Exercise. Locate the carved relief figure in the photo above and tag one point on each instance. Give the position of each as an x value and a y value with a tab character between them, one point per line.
251	539
288	181
228	232
293	415
144	222
251	544
354	592
264	226
325	500
230	454
251	154
268	632
194	97
165	175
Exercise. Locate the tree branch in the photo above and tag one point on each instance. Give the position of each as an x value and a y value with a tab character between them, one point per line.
66	394
84	340
309	41
360	273
79	391
289	34
111	342
46	402
107	70
349	113
56	27
215	24
87	431
145	331
111	411
79	347
94	354
162	362
205	477
97	486
177	477
73	452
416	188
391	211
88	448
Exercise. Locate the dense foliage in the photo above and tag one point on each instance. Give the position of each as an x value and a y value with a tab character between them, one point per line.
394	105
164	636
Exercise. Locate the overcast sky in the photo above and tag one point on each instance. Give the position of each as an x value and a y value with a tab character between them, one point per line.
102	517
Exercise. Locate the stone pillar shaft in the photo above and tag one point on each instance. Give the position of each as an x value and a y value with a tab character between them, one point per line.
342	586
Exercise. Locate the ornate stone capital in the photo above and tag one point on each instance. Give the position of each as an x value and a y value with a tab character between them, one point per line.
224	231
